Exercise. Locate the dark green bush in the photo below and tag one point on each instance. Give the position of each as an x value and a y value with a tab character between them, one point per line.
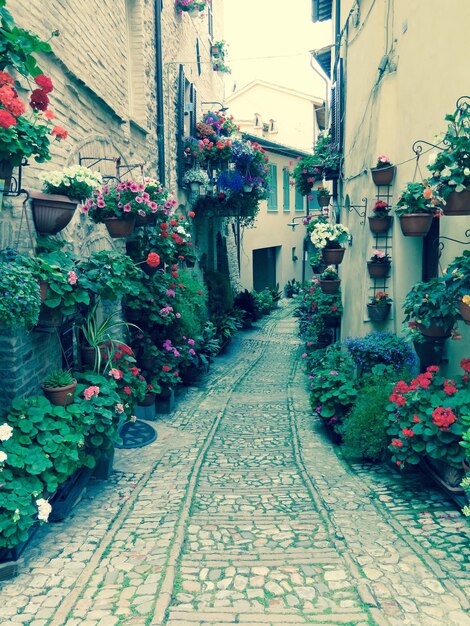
219	292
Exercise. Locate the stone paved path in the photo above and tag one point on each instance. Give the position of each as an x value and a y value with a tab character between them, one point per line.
243	513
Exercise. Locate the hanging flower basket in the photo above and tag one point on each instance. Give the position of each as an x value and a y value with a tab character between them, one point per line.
330	286
323	201
51	212
458	203
378	270
383	176
333	256
464	311
380	225
378	313
434	331
145	220
119	227
415	224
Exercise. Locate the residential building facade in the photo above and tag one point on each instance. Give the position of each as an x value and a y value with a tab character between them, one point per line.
396	72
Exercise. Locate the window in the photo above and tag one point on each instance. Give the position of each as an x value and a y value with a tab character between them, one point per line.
186	111
198	58
286	190
299	201
135	65
272	200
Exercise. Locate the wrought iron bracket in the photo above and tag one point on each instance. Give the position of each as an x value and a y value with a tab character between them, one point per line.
15	188
463	103
357	209
439	244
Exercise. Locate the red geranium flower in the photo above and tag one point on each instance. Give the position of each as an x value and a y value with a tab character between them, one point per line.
191	214
59	132
443	418
44	82
465	365
127	390
153	259
449	387
6	119
39	100
407	432
166	368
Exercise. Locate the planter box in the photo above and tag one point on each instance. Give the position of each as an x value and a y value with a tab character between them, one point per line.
69	494
446	477
9	557
104	465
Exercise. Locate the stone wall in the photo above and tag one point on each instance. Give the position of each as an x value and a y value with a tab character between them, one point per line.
103	70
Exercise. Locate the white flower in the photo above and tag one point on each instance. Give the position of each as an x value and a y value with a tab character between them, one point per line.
6	432
44	509
467	171
3	456
446	172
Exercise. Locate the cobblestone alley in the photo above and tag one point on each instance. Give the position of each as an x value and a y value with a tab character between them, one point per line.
243	513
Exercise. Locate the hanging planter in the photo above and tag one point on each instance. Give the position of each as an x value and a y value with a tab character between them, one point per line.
378	270
380	225
434	331
458	203
330	286
51	212
378	313
333	256
145	220
119	227
324	201
383	176
464	311
415	224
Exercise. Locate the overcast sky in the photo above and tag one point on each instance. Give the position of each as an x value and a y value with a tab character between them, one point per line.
279	29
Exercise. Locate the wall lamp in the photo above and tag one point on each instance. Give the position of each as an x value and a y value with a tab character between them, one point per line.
222	108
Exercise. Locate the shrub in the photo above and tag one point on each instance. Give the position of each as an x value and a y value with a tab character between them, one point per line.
380	348
265	301
220	293
365	429
332	394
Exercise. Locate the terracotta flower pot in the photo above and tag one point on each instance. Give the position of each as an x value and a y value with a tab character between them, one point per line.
330	286
323	200
51	212
458	203
383	176
378	270
88	355
378	313
119	227
435	331
6	171
60	396
333	256
380	225
464	311
415	224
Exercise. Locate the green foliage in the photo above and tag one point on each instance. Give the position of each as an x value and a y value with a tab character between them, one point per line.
413	199
457	275
365	429
20	299
264	301
111	274
430	303
247	302
58	378
219	292
292	288
307	172
380	348
332	395
191	303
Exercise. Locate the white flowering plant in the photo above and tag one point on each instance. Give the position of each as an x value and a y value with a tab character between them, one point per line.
451	168
76	182
325	235
196	175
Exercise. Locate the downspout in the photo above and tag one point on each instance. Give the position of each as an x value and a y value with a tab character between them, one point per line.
160	126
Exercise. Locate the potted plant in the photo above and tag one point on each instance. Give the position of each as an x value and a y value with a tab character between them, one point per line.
62	191
196	178
379	306
378	265
327	155
329	280
59	387
323	196
426	422
416	208
307	172
218	49
220	66
21	300
118	205
329	237
316	262
457	277
451	166
380	221
193	7
383	172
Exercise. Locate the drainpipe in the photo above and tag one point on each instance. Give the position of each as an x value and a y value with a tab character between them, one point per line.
160	126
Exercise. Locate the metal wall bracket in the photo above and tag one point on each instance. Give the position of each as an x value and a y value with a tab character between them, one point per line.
356	208
15	188
439	244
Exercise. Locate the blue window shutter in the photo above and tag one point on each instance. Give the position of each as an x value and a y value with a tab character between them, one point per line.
299	201
272	200
286	190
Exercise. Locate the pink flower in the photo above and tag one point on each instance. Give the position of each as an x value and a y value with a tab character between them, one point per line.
304	355
72	278
119	408
127	208
90	392
115	373
133	418
178	315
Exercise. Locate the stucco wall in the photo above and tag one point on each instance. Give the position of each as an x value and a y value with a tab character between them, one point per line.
271	230
425	76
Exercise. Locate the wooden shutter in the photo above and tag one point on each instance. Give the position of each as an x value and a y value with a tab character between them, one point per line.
286	191
272	200
180	125
337	109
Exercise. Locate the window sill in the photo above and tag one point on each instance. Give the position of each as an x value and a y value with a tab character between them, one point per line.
139	126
